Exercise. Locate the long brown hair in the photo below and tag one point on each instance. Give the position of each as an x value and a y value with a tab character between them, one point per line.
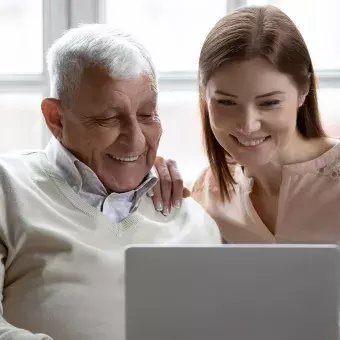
256	31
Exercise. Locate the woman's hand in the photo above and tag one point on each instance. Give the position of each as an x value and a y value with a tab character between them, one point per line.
169	191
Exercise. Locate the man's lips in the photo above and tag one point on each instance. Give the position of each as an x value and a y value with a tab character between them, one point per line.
124	158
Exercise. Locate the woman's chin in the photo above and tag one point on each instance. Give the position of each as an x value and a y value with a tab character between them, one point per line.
254	163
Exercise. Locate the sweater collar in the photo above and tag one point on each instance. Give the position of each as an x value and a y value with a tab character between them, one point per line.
80	177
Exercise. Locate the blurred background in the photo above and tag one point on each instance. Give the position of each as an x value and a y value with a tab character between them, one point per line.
173	31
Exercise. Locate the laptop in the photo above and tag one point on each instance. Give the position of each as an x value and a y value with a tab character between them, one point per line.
234	292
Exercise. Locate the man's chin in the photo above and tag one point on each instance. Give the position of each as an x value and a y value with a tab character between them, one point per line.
122	177
121	184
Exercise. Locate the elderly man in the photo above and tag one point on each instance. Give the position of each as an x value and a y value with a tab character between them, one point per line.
68	212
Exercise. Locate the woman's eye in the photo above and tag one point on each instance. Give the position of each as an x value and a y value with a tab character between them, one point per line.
226	102
270	103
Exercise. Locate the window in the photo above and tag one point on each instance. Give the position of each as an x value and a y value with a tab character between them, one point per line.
318	22
181	139
27	28
173	31
21	121
329	109
21	28
21	31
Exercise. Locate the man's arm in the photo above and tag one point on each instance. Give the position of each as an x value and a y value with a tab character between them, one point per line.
8	331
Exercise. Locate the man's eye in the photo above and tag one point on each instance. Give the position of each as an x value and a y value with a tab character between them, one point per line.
270	103
226	102
107	121
145	116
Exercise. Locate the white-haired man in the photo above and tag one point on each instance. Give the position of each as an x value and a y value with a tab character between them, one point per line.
67	212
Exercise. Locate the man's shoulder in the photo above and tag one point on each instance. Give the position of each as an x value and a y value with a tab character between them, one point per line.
17	156
19	163
191	206
190	211
191	218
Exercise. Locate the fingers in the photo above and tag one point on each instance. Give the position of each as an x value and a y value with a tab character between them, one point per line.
156	191
186	192
157	197
169	191
176	182
165	185
162	190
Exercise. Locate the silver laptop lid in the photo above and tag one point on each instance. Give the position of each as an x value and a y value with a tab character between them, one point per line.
237	292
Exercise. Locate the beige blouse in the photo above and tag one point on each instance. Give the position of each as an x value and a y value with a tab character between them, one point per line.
308	208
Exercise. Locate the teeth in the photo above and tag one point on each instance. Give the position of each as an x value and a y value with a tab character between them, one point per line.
251	142
125	159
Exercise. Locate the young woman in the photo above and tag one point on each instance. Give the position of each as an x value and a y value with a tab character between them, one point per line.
274	175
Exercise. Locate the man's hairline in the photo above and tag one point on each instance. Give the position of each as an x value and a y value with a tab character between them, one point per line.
152	77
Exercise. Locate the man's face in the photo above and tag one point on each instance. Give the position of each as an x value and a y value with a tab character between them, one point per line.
113	127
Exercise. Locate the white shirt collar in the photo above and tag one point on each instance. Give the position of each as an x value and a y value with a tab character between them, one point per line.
80	177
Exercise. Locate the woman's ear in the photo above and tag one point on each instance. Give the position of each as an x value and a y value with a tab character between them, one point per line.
51	109
302	99
304	92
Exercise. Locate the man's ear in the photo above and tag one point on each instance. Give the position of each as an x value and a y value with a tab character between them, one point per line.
52	111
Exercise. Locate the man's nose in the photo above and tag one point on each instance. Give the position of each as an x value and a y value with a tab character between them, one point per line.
249	121
132	136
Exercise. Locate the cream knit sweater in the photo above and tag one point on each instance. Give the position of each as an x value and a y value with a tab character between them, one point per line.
62	270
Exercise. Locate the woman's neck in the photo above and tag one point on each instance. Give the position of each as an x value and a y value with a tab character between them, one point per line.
268	178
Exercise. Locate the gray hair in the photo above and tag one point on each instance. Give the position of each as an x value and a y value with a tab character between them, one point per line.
95	45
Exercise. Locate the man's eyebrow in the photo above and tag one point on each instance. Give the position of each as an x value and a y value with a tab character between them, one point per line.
101	113
150	100
111	107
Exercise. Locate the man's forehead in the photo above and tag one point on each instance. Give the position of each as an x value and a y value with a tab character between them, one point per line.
98	77
99	91
98	88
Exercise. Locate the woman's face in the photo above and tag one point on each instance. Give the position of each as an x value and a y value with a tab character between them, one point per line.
252	110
